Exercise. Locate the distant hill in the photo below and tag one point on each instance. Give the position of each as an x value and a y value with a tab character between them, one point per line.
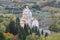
21	0
5	0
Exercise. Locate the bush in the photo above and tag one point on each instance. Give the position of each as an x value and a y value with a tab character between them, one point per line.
2	28
58	26
36	7
55	27
32	37
5	20
52	28
2	37
8	36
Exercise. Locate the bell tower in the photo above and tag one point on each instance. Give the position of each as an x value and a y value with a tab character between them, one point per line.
26	16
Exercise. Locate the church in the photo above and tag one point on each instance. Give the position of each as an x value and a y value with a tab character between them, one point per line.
27	18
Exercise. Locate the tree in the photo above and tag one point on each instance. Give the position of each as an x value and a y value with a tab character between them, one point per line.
22	34
38	33
27	29
17	23
46	34
12	28
21	31
53	28
42	32
2	37
34	29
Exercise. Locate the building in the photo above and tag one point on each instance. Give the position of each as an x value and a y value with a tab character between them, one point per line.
27	18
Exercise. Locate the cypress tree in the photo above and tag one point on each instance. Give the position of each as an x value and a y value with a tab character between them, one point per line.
34	29
38	33
22	34
46	34
21	31
2	37
12	28
27	29
42	32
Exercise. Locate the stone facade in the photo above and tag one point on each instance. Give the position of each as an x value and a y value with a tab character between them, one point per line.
27	18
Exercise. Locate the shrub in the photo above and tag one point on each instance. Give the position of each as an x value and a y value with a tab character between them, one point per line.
32	37
2	37
36	7
2	28
8	35
55	27
52	28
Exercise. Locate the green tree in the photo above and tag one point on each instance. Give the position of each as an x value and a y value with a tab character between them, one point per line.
12	28
42	32
34	29
21	31
2	37
52	28
22	35
17	23
27	29
46	34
